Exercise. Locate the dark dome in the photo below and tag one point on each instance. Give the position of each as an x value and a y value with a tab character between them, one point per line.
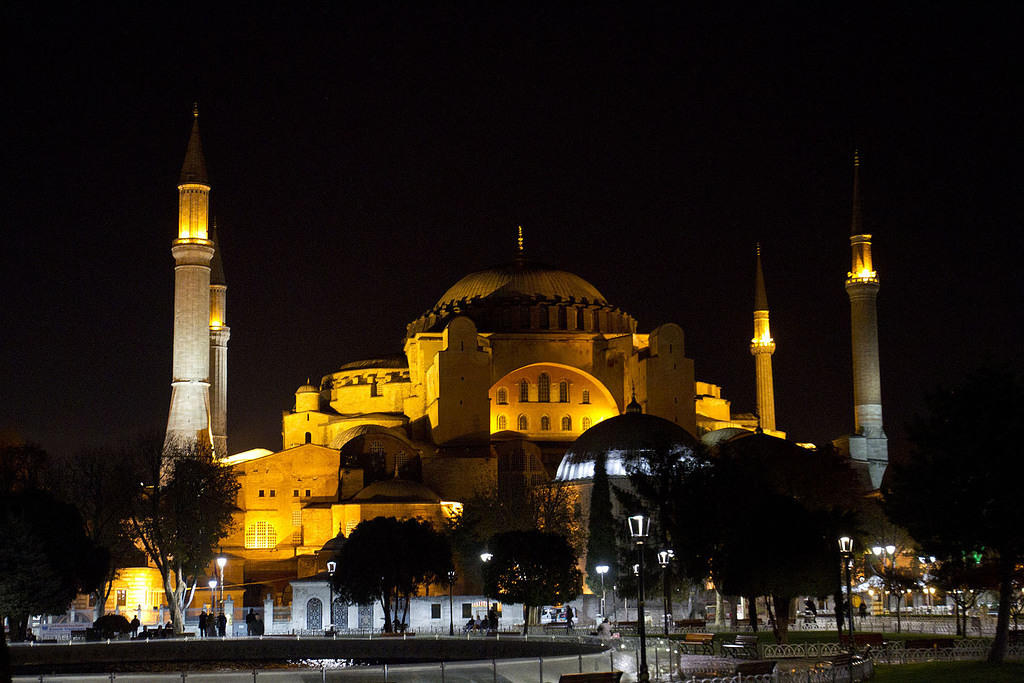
522	279
525	296
621	439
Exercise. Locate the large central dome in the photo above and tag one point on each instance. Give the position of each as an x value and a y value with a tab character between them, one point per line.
523	279
525	296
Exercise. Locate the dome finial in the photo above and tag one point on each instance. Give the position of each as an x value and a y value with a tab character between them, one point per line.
634	405
519	242
195	110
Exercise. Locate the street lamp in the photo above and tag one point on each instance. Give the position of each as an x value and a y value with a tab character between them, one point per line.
846	550
485	557
331	566
212	583
881	552
602	569
639	528
451	609
221	561
664	558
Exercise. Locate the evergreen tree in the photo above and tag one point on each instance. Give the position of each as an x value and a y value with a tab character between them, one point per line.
602	544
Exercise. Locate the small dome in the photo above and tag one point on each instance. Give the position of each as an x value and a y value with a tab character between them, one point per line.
623	439
396	491
307	388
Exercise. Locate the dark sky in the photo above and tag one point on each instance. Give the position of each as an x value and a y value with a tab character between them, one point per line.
364	156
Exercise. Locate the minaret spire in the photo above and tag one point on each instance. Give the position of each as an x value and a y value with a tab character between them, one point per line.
868	443
762	346
220	333
519	243
188	420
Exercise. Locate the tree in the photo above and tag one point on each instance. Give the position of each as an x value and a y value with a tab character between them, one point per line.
46	558
602	536
388	561
959	492
181	513
531	567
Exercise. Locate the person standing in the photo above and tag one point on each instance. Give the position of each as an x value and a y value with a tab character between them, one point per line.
250	621
222	624
135	626
202	623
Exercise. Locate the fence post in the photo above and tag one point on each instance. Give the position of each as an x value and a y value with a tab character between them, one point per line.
540	661
494	670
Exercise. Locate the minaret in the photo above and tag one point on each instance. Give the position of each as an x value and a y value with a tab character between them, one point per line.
219	335
188	421
868	443
762	346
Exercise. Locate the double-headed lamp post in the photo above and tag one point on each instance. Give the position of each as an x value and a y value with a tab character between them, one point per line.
212	583
602	569
665	559
451	609
880	551
485	557
331	566
846	550
221	561
639	528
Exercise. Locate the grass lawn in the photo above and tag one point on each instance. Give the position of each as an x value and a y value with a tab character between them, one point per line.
948	672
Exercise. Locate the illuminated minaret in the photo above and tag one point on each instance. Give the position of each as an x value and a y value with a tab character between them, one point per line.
189	418
219	335
868	443
762	346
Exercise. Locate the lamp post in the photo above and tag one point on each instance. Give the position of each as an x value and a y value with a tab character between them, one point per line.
451	609
602	569
664	558
221	561
212	583
881	552
846	550
331	566
485	557
639	528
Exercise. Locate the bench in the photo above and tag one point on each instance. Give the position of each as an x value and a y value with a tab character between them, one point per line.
928	643
864	640
595	677
743	646
759	668
703	642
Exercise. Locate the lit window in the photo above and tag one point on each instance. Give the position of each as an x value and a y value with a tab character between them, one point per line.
586	423
522	423
545	423
586	396
544	388
524	391
502	397
563	392
260	535
502	423
566	424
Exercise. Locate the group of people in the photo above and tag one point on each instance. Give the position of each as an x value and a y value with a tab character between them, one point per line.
253	625
488	623
211	626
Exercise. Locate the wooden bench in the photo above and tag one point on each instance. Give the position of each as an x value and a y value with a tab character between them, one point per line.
743	646
703	642
758	668
595	677
928	643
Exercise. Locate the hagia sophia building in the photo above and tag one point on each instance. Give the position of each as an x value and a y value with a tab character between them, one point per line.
496	381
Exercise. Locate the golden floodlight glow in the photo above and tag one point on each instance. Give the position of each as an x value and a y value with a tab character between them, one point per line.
451	508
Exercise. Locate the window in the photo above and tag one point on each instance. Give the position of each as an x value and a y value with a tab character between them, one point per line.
563	392
262	493
545	423
522	423
273	493
122	597
296	517
566	424
562	318
579	318
502	423
307	493
309	437
260	535
467	610
586	396
544	388
295	493
586	423
435	610
524	391
377	448
502	396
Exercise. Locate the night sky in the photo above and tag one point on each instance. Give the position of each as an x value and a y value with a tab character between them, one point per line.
365	156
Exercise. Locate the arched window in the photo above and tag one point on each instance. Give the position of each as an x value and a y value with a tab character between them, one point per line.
260	535
502	396
586	423
545	423
586	396
522	423
563	391
566	424
524	391
502	423
544	388
314	614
